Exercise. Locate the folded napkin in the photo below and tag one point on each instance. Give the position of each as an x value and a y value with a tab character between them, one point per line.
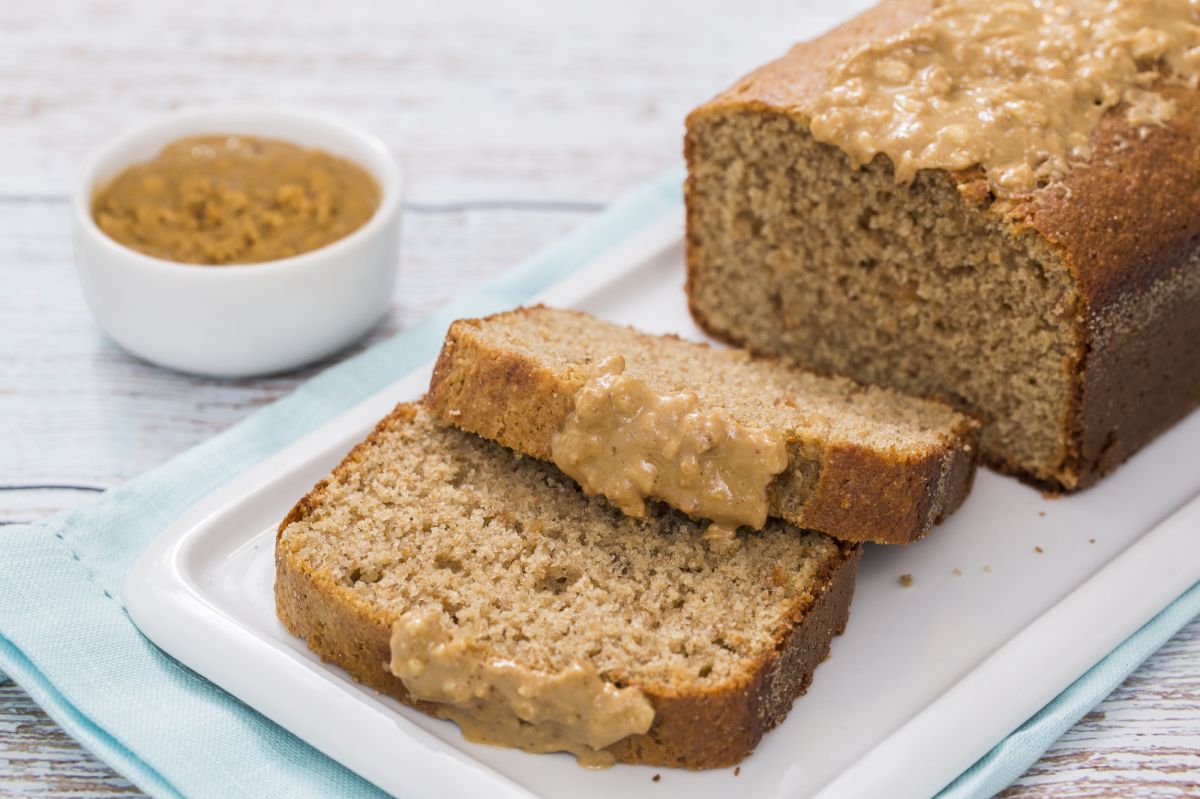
66	638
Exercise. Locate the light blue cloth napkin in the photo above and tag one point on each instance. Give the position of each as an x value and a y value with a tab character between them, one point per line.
66	639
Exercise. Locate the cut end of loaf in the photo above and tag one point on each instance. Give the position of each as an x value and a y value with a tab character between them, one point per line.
794	252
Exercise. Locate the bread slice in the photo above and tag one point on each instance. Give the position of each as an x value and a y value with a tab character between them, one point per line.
1068	319
513	557
863	463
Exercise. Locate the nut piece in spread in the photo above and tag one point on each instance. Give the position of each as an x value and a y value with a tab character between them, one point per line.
1014	86
217	200
629	443
499	702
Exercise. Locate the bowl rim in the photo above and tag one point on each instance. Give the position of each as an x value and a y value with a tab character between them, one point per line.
388	175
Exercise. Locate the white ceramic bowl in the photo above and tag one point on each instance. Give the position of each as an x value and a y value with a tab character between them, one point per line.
235	321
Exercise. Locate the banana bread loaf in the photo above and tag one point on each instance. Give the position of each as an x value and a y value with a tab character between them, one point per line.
477	584
992	203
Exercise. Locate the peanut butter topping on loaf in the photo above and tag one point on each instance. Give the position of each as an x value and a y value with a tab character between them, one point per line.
1067	319
1016	87
497	701
626	441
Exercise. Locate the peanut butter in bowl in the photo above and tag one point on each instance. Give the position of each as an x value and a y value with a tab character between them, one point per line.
232	241
221	200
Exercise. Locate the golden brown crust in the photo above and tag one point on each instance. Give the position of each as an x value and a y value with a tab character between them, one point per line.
1126	226
713	730
860	494
497	393
692	729
865	495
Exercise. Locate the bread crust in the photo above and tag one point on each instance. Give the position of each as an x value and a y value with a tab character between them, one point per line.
860	494
1127	227
692	729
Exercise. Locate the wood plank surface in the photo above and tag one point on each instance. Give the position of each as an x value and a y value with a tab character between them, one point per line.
515	120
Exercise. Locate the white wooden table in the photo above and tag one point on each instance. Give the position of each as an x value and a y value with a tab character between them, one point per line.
516	120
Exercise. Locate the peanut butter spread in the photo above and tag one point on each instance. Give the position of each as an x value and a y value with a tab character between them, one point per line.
627	442
1014	86
235	200
499	702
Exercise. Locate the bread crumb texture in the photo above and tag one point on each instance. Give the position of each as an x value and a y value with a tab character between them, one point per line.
757	392
863	463
891	292
519	561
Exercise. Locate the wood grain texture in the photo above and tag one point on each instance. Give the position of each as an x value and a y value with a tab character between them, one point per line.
37	758
1143	740
515	119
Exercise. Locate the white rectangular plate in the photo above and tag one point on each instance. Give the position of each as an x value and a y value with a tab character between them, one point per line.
1010	601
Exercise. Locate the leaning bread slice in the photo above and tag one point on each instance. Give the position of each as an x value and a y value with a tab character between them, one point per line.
482	586
714	432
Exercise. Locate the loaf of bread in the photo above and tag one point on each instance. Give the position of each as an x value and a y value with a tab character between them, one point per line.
861	463
1065	314
520	575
